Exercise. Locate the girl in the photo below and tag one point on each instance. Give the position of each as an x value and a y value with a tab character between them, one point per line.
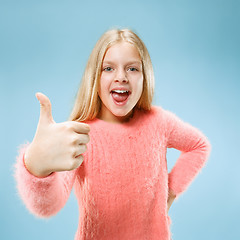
121	179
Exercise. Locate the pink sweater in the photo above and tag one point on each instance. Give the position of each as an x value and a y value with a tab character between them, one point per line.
122	185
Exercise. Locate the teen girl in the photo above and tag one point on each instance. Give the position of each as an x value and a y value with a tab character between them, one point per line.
121	178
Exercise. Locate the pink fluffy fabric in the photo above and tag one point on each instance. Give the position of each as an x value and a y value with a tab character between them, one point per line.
39	194
122	185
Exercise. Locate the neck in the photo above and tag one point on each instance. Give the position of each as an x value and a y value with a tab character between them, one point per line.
115	119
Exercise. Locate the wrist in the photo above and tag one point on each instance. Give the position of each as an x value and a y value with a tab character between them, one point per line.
171	194
28	166
171	198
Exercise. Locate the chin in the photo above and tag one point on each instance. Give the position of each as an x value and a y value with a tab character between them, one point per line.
122	113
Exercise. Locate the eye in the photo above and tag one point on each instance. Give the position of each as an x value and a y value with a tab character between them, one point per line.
132	69
107	69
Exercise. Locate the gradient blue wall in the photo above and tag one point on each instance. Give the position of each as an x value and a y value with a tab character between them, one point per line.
194	46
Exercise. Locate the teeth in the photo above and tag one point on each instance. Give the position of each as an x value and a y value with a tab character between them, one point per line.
120	91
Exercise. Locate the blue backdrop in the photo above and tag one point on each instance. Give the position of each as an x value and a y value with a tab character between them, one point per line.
194	46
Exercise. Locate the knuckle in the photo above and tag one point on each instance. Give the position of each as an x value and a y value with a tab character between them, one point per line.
87	138
74	152
79	161
76	162
74	140
83	139
82	148
64	126
86	127
45	104
68	126
71	165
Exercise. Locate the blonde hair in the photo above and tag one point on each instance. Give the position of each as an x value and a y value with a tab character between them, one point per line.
88	104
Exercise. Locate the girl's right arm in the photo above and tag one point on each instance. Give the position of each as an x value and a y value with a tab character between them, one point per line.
46	196
46	168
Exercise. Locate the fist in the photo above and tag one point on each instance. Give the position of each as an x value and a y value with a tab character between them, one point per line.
56	146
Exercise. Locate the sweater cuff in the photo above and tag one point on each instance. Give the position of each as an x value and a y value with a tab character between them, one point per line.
38	194
175	189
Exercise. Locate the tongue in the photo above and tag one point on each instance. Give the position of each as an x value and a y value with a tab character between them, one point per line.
119	97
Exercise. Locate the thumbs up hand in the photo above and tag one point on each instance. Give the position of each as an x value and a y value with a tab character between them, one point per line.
56	146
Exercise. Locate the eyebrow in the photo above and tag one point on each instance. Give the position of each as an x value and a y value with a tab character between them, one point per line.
130	62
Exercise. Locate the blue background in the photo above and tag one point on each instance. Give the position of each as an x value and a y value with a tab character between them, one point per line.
194	46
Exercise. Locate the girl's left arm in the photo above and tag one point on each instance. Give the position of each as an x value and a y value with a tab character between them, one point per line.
195	149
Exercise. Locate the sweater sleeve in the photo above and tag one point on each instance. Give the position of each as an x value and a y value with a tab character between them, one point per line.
43	197
195	149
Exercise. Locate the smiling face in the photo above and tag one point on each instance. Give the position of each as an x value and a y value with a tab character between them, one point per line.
121	82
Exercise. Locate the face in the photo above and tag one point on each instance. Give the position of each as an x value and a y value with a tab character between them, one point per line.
121	82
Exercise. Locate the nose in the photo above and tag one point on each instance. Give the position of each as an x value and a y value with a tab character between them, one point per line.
121	76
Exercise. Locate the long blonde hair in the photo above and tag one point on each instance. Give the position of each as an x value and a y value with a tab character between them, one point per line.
88	104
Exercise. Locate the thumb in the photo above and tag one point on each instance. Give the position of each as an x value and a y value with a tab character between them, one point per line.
46	108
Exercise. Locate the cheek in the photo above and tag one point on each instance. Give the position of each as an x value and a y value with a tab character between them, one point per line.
104	86
105	81
139	85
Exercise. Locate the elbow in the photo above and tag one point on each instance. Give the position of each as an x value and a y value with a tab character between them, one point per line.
204	149
207	147
41	209
42	213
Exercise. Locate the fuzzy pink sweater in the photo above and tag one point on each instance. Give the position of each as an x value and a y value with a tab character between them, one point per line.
122	185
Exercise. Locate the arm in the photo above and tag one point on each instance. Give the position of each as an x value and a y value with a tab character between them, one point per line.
46	176
43	197
195	149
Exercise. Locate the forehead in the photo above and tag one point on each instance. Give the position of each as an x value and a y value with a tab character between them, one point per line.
122	51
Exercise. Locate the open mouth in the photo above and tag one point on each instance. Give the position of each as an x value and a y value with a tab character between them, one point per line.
120	97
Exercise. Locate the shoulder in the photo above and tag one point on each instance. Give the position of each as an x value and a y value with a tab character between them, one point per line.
160	112
155	111
164	118
157	116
